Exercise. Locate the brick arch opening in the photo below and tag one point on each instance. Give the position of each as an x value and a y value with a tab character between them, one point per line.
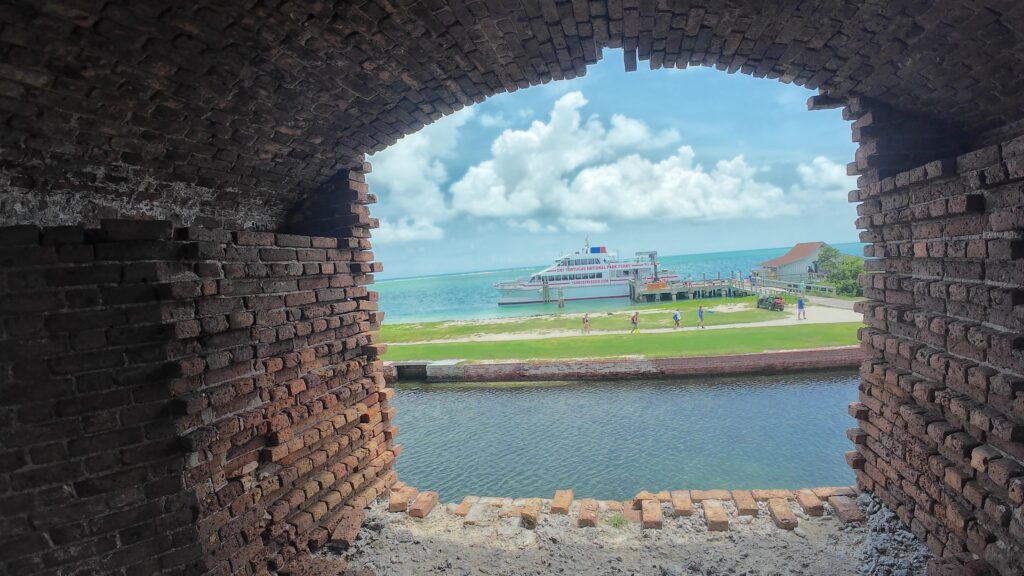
234	362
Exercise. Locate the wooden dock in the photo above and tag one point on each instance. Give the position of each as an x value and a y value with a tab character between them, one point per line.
698	290
719	288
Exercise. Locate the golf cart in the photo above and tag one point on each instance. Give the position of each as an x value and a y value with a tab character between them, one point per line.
775	303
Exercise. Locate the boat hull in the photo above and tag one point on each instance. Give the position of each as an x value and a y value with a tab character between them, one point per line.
535	294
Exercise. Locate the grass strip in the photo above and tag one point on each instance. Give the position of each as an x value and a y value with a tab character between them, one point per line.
661	345
652	315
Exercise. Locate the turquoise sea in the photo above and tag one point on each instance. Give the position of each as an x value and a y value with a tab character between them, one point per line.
471	295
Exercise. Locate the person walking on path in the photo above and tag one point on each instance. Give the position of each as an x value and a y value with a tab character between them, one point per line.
801	311
675	318
586	323
635	319
700	315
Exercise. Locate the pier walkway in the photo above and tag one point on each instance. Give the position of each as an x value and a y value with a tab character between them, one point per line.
722	288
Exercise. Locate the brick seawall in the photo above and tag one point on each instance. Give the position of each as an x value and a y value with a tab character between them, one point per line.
764	363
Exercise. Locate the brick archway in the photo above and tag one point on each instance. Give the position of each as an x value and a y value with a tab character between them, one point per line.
243	115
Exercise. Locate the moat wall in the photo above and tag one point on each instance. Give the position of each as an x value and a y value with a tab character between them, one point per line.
599	369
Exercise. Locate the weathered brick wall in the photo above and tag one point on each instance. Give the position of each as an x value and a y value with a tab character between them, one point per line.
230	111
940	434
92	474
187	401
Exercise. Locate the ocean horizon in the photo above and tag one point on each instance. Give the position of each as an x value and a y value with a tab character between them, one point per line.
842	247
471	295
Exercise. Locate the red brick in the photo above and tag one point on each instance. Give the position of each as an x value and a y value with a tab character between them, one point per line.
715	516
423	504
846	509
810	503
781	513
347	530
531	513
702	495
465	505
587	517
651	514
745	503
561	502
682	504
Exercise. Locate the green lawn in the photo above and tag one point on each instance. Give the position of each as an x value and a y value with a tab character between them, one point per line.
691	343
652	315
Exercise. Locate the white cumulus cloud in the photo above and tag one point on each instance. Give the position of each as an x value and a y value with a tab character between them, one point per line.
635	188
824	178
578	173
531	225
528	167
582	225
492	120
410	177
406	229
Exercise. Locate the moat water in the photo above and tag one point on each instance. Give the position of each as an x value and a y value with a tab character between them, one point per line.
610	439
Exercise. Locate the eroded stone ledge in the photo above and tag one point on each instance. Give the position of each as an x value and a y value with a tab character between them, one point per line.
670	533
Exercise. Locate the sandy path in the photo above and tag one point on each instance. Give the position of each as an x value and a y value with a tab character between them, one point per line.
815	315
832	302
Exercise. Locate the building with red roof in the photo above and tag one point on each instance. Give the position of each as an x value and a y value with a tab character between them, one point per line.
796	265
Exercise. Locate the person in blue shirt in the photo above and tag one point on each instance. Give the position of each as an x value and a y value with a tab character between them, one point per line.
801	312
676	318
700	315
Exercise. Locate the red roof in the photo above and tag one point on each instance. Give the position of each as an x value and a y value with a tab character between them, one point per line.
798	252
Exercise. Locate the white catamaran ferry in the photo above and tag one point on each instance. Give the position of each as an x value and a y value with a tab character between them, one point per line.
587	274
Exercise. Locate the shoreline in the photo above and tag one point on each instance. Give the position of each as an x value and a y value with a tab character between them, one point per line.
596	369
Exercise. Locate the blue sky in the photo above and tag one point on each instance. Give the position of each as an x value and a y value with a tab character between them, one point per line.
678	161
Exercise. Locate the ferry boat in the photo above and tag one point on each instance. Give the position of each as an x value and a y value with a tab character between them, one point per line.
587	274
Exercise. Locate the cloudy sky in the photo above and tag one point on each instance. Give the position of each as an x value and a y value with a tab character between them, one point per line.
678	161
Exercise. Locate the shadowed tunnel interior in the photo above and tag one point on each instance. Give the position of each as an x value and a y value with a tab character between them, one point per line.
190	379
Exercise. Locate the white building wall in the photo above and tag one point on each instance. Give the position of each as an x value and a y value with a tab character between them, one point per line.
796	269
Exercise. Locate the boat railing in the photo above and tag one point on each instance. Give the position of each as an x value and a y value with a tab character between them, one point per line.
511	283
